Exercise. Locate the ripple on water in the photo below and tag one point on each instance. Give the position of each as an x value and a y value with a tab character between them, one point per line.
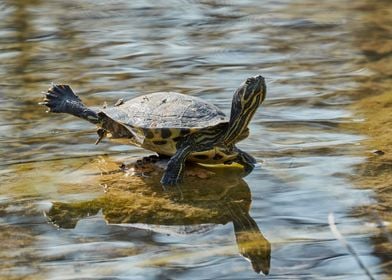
120	49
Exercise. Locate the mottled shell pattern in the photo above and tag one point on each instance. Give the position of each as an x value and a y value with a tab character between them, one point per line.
159	119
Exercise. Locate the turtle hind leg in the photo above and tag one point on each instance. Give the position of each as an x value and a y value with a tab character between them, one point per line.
58	96
246	160
61	99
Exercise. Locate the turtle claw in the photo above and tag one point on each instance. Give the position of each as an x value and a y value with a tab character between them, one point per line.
43	102
50	95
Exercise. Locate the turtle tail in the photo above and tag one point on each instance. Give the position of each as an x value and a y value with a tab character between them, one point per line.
62	99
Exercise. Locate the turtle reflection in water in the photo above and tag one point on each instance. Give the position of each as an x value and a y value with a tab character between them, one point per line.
222	196
171	124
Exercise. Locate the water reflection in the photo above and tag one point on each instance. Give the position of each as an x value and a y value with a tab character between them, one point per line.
316	57
207	197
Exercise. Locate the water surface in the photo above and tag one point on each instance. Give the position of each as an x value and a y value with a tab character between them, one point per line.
310	55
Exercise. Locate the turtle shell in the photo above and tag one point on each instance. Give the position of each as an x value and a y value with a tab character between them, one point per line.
166	110
158	120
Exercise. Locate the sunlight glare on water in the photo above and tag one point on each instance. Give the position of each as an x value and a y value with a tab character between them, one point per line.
107	225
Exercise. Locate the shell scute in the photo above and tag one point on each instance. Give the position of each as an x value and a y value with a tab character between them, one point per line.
165	115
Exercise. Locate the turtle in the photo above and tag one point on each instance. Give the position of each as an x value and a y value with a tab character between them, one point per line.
175	125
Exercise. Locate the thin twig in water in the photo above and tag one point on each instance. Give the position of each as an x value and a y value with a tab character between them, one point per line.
339	236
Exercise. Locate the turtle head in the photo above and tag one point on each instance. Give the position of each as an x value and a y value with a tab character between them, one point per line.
246	100
250	89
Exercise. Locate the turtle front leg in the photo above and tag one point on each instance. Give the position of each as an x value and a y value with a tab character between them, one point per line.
175	168
246	160
196	142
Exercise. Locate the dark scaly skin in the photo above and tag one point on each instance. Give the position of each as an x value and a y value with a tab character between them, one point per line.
199	141
246	100
246	160
61	99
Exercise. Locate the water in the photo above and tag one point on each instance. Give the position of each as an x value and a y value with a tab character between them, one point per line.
113	226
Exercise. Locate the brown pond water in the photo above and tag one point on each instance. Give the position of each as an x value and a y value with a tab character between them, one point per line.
68	212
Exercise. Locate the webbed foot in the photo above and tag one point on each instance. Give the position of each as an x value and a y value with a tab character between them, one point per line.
61	99
57	97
